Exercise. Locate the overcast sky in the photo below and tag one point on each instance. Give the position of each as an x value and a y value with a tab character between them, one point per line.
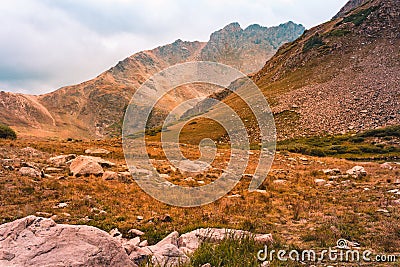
46	44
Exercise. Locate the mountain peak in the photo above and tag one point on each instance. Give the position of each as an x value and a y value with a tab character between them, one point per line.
232	27
350	5
95	108
253	27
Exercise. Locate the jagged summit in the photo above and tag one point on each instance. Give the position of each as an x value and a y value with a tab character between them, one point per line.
234	26
340	76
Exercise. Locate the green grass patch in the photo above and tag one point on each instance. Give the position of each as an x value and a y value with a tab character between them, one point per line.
7	133
314	41
359	17
360	146
383	132
234	252
338	33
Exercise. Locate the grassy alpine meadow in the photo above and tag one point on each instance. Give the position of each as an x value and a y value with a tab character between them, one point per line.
301	203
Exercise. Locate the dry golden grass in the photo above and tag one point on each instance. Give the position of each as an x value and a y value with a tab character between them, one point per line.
297	213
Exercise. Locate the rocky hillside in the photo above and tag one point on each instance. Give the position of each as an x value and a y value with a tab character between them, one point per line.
352	4
340	76
95	108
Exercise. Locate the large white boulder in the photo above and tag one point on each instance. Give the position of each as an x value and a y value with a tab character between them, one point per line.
34	241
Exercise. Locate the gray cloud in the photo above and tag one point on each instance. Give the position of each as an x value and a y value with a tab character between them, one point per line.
46	44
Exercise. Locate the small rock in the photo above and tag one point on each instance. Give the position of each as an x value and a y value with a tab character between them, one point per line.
61	160
109	175
31	151
61	205
386	165
264	238
115	233
135	232
320	182
98	211
9	168
393	191
190	180
382	210
260	191
30	165
144	243
172	238
235	196
97	151
31	172
139	218
52	170
331	171
357	171
192	166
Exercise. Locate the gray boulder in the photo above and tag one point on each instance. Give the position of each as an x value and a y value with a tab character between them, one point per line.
34	241
84	166
357	171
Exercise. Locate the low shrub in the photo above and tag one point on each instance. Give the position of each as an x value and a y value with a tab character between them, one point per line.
7	133
313	42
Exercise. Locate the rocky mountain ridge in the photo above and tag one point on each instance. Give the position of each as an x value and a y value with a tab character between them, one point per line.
338	77
95	108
